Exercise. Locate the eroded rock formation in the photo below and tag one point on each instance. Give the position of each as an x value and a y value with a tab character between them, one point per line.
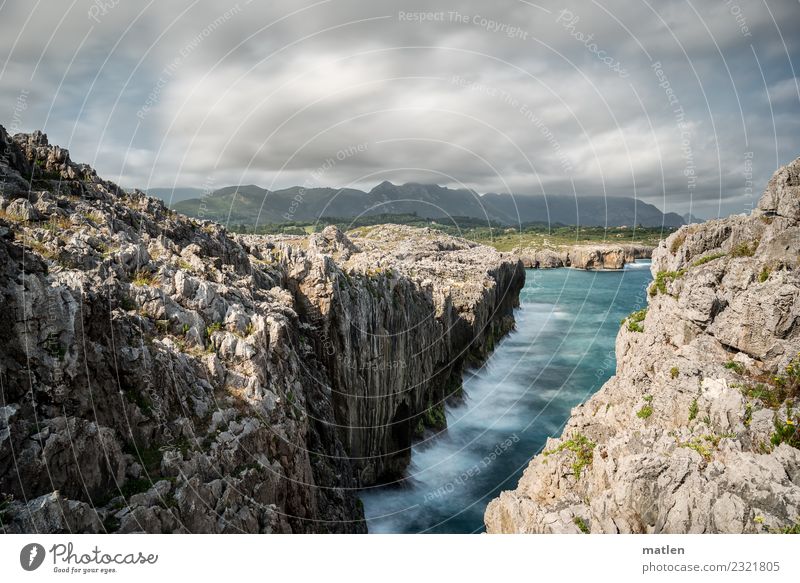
696	432
587	256
398	312
160	375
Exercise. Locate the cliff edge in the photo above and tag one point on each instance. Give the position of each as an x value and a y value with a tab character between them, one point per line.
158	374
587	256
696	432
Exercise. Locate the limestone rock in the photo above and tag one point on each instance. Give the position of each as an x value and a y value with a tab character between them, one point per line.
22	210
160	375
396	308
587	256
721	325
782	197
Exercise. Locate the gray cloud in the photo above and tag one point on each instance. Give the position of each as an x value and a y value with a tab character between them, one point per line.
506	96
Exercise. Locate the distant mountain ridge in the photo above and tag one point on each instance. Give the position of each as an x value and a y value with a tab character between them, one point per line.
251	204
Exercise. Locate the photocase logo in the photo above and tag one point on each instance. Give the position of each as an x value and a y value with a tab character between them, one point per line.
31	556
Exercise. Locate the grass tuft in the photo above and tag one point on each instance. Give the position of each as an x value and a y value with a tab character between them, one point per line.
143	278
745	249
582	448
679	239
581	524
659	285
693	410
708	259
786	430
635	320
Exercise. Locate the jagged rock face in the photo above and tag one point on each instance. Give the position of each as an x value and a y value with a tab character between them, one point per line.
145	372
583	256
694	432
604	258
397	313
159	375
782	197
541	258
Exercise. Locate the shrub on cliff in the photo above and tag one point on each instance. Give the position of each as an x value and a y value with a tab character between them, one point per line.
635	320
582	449
659	285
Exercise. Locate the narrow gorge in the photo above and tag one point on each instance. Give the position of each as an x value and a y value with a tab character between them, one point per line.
159	374
560	352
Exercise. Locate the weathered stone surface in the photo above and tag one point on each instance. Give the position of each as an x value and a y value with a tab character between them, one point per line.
397	313
51	513
782	197
541	258
681	438
587	256
159	375
22	210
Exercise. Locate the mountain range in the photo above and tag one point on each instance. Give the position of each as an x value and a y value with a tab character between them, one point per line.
253	205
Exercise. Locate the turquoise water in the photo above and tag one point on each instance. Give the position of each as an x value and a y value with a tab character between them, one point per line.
561	352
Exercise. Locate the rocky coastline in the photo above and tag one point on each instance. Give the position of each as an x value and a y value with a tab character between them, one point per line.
587	256
159	374
696	432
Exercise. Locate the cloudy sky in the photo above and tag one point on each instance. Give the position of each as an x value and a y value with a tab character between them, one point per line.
685	104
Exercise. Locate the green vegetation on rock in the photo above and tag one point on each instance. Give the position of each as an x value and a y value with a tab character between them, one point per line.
693	410
786	430
647	409
635	320
583	450
706	444
707	259
581	524
434	416
745	249
794	529
143	278
659	285
677	242
736	367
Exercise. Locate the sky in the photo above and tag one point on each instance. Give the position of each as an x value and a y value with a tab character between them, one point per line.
688	105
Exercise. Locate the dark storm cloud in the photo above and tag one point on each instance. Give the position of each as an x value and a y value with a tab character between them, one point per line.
670	101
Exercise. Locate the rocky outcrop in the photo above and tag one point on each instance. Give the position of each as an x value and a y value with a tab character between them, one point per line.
696	432
635	251
544	258
160	375
582	256
397	313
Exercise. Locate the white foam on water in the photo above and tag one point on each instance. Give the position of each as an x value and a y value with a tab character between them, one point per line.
566	328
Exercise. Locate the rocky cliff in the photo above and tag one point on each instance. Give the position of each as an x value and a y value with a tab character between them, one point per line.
160	375
587	256
696	432
396	313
